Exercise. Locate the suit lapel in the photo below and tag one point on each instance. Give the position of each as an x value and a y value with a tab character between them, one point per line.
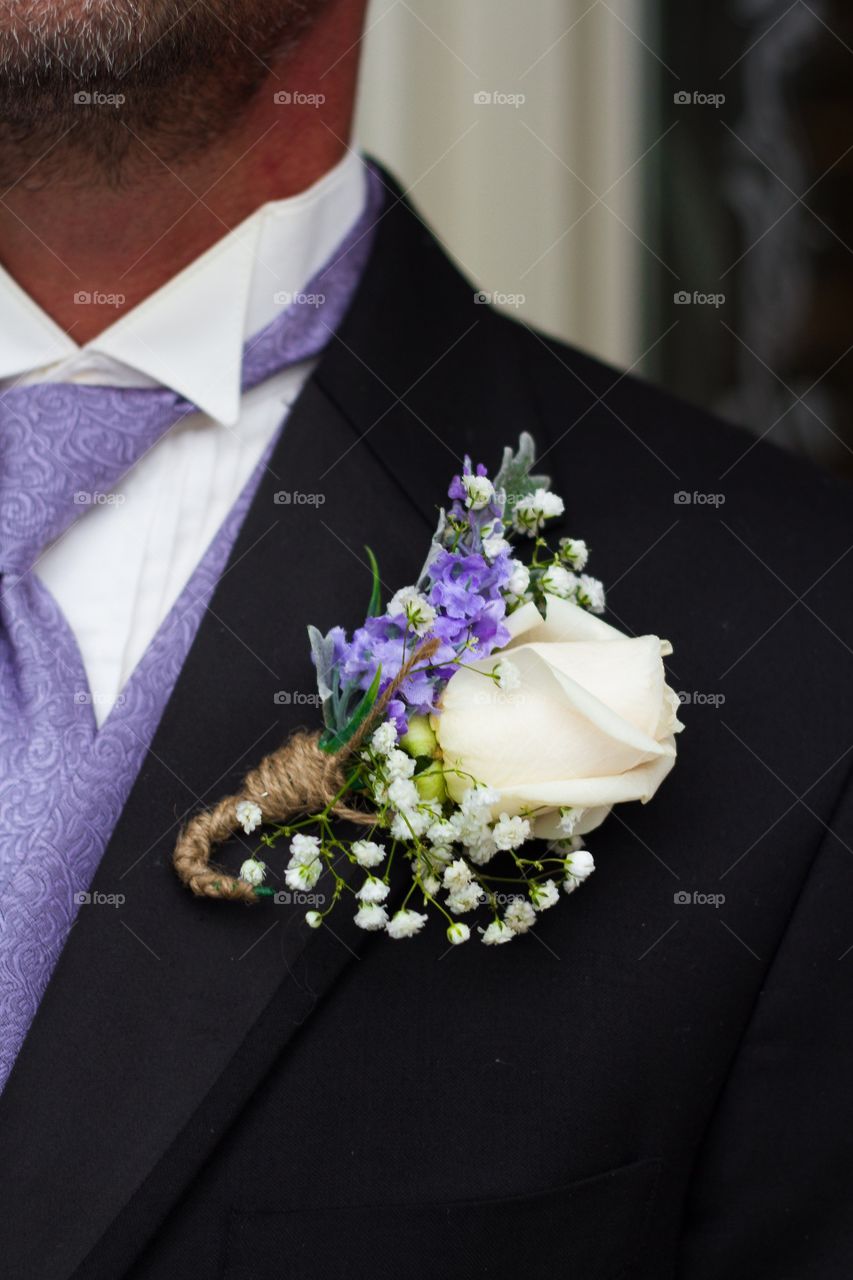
152	1002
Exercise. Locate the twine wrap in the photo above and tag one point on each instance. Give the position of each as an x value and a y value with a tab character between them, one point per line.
296	780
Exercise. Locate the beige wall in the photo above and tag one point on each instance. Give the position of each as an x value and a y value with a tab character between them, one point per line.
540	199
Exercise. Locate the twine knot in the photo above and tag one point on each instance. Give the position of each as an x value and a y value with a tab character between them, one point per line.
296	780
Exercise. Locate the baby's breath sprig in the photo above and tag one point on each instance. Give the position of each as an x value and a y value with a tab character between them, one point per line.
448	845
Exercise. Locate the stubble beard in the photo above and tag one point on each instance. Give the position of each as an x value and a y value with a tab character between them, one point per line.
91	90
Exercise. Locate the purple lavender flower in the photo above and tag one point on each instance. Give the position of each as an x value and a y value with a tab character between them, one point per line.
462	584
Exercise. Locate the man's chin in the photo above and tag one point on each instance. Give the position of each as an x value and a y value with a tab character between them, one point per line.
92	78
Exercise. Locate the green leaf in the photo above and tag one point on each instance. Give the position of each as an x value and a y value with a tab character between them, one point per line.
323	653
375	606
331	706
328	678
331	742
514	476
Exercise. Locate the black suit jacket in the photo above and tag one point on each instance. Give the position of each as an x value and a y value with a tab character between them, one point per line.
645	1087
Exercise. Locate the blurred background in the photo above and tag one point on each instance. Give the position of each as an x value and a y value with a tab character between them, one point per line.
667	185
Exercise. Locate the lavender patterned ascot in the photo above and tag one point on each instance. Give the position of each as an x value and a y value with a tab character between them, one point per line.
63	782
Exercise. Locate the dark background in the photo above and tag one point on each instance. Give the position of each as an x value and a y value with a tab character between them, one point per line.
752	200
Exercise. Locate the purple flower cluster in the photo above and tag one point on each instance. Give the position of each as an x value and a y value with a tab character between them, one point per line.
463	588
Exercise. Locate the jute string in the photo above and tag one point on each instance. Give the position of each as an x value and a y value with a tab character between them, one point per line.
295	780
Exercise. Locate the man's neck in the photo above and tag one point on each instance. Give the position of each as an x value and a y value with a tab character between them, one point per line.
118	244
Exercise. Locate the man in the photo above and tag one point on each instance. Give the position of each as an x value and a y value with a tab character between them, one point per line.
656	1082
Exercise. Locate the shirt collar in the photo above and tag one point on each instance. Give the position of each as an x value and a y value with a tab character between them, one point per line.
189	334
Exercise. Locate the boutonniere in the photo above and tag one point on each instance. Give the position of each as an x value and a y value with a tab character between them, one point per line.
482	709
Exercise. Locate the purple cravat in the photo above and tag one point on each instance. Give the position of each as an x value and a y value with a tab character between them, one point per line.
63	781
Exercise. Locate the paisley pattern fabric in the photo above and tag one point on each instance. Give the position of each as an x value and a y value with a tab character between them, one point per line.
63	781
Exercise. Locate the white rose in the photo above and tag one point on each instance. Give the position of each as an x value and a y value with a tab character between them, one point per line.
591	725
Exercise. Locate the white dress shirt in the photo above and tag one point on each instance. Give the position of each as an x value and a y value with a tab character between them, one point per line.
119	568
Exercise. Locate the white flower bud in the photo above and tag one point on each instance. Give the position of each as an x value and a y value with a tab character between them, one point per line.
580	864
509	833
367	853
253	871
497	933
520	916
384	738
248	815
519	579
373	890
418	611
575	552
557	581
371	917
479	490
544	895
405	924
591	594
